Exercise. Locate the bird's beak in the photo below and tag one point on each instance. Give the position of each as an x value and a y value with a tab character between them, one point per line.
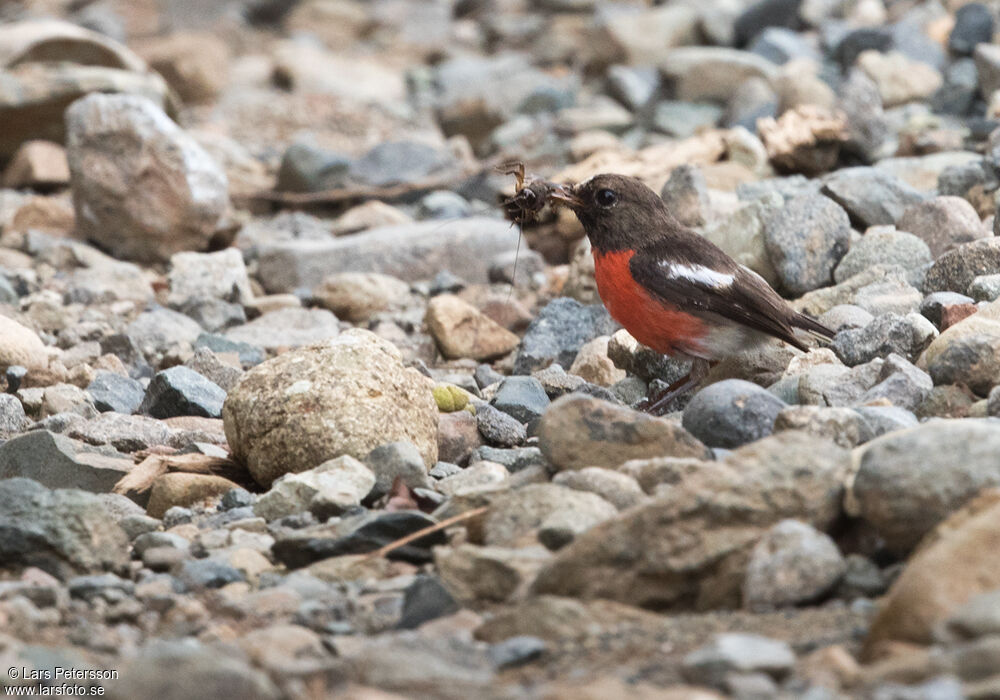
564	195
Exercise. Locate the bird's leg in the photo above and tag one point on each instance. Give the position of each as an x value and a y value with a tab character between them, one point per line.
699	370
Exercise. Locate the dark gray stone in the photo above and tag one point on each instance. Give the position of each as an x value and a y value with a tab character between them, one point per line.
886	419
425	599
499	428
524	398
113	392
737	653
180	391
309	168
805	240
236	498
558	333
763	14
56	461
855	42
633	86
731	413
208	573
486	375
869	195
973	25
686	195
106	586
126	349
64	532
886	334
357	535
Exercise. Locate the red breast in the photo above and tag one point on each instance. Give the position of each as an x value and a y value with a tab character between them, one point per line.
654	323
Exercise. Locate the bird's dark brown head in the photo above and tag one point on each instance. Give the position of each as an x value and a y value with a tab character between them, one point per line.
618	212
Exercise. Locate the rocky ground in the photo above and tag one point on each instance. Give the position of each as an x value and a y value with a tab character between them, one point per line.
261	319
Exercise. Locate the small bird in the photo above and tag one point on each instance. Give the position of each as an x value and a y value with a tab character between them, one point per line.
673	290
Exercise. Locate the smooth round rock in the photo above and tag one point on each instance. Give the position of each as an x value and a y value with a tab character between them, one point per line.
346	395
731	413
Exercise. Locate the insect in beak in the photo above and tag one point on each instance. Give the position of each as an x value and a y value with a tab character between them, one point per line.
564	195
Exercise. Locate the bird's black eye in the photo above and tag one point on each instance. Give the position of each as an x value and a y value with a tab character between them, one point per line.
605	198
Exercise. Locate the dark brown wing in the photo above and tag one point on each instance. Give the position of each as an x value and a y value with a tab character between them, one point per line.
747	299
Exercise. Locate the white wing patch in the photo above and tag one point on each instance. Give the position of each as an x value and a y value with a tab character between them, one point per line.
699	274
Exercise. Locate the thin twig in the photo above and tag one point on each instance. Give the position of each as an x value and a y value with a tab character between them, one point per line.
426	531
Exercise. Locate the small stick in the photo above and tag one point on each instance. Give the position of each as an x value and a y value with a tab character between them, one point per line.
468	515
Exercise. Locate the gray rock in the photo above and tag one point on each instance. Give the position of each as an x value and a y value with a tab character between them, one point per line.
903	498
634	86
710	73
113	392
943	223
843	426
347	395
985	287
987	57
115	144
737	653
684	119
934	303
557	382
901	383
621	490
890	296
731	413
124	432
179	391
396	459
356	535
793	563
955	270
250	355
154	332
517	651
971	360
443	204
499	428
563	512
628	354
515	459
871	196
837	385
305	167
55	461
559	331
886	334
221	275
870	136
207	364
398	162
411	252
844	316
886	419
329	489
208	573
236	498
289	328
805	240
524	398
186	668
64	532
12	418
579	431
883	246
686	195
425	599
973	26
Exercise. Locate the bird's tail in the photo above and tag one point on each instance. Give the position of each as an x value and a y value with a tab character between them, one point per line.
812	327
